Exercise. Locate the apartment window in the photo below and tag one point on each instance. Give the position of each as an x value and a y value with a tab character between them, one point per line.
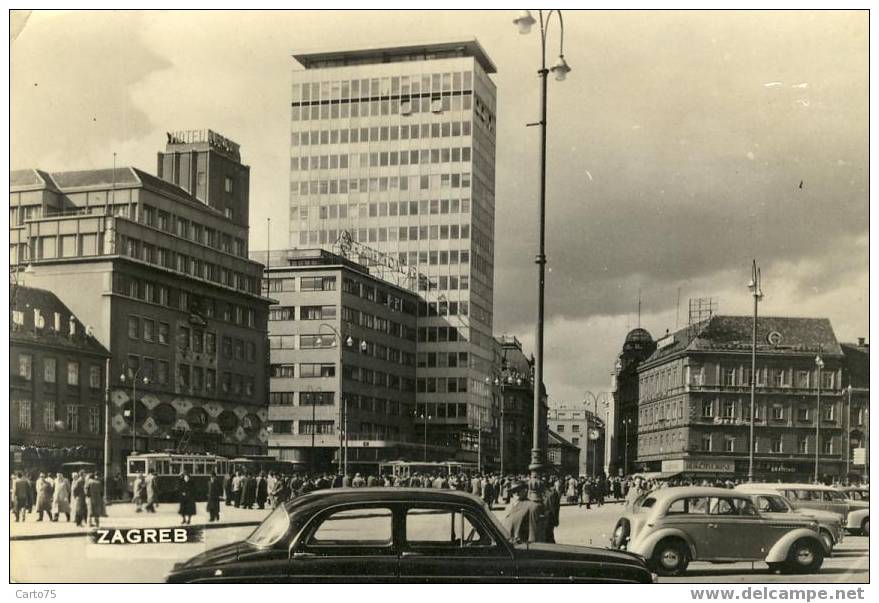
164	332
316	427
779	378
802	379
72	373
317	283
575	428
803	413
706	443
50	370
828	413
94	419
72	419
183	335
707	409
827	380
282	370
727	376
149	329
777	413
561	429
95	377
317	313
317	370
729	444
183	376
729	409
24	415
197	378
803	446
48	416
309	398
210	343
310	342
282	313
827	446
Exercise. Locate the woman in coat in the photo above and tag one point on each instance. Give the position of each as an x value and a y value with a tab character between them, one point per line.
94	498
215	492
186	495
152	497
61	498
139	492
77	489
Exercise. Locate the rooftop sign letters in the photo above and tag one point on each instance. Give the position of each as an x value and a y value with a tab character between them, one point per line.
214	140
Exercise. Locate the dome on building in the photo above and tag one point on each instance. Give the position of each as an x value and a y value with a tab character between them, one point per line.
639	336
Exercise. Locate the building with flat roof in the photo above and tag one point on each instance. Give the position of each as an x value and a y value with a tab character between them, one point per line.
694	400
584	429
394	148
342	366
158	268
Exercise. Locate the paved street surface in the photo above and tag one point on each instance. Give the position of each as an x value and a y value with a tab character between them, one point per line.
74	559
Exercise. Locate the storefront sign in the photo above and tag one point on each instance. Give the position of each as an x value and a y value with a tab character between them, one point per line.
699	465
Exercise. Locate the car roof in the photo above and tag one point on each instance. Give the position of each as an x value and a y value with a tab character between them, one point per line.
785	487
386	494
686	491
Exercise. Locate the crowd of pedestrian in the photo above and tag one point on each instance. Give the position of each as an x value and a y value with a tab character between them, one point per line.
80	498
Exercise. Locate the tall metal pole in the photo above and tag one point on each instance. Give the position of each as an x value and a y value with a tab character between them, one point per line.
848	431
537	460
134	412
313	429
106	429
345	405
819	364
756	292
479	445
502	430
626	455
424	416
341	430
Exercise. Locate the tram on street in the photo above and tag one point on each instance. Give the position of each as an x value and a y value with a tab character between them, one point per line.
169	466
256	464
405	469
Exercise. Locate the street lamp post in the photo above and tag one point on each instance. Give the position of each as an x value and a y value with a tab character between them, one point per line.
124	377
524	22
819	363
757	294
424	415
626	422
342	465
848	431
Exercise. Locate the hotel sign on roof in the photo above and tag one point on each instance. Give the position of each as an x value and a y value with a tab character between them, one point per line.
214	140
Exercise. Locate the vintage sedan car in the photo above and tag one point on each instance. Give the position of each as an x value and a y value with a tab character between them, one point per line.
674	526
399	535
823	498
856	493
773	504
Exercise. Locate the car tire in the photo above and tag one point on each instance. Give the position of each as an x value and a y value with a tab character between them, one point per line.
865	527
621	533
805	557
670	557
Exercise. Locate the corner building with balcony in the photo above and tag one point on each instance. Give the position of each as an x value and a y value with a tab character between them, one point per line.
157	267
396	146
694	401
342	364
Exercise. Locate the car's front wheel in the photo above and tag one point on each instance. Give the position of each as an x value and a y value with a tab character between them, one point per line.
670	557
804	557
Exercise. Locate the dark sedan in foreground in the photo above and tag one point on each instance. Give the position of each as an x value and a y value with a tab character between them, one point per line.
398	535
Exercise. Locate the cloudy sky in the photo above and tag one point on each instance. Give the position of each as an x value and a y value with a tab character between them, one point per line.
683	145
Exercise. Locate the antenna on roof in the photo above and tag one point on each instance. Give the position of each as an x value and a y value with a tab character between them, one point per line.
639	307
268	243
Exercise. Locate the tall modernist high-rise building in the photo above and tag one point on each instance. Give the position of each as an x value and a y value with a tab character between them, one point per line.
396	147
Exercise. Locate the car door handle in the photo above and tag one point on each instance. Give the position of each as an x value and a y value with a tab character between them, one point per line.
301	554
411	554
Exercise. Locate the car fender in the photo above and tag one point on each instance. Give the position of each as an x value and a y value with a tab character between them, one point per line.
644	546
855	517
781	548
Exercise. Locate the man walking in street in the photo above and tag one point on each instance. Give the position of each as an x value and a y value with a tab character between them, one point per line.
21	494
525	519
151	493
44	496
61	497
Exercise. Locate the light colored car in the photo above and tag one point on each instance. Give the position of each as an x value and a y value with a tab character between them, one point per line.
822	498
830	525
674	526
856	492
